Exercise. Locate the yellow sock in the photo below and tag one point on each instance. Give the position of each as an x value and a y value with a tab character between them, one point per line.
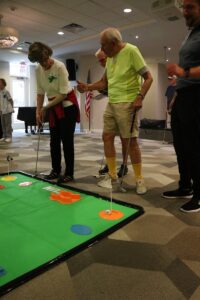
111	162
137	168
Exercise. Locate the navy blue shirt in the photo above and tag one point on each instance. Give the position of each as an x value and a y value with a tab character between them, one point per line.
189	56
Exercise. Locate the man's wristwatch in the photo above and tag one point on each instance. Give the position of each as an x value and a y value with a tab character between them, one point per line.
187	72
142	96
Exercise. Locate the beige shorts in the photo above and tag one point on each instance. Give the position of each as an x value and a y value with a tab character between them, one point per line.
118	118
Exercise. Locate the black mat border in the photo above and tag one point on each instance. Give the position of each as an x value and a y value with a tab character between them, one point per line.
30	275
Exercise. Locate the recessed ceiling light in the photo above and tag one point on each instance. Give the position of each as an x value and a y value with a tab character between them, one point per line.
127	10
169	48
137	36
60	32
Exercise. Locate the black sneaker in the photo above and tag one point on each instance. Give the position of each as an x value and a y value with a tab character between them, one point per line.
122	171
65	179
52	175
179	193
192	206
103	171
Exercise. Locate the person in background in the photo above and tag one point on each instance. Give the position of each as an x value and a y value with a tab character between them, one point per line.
102	57
185	115
52	80
6	110
124	68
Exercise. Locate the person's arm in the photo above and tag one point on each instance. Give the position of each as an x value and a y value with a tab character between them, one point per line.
9	98
174	69
39	115
98	85
137	104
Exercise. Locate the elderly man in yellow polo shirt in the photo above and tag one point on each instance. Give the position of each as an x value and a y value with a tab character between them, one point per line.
124	68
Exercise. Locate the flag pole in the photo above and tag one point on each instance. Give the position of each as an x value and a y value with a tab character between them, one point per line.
88	99
89	121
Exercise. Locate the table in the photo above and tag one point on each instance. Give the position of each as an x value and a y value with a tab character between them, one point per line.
42	223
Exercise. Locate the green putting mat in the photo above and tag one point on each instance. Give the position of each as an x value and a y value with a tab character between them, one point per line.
43	223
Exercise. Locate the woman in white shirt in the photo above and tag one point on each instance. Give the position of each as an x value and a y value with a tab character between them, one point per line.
52	80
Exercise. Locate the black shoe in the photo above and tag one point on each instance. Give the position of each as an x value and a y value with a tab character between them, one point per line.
192	206
179	193
52	175
104	170
122	171
65	179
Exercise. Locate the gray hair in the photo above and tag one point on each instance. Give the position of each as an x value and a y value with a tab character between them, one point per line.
112	34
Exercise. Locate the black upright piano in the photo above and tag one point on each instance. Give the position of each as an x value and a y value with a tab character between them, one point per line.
28	115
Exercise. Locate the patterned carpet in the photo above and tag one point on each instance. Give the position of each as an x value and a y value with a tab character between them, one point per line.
154	257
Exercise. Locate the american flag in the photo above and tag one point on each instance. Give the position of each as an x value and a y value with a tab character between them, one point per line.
88	97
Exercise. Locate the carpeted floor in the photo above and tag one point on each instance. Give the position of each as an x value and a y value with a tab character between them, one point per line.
154	257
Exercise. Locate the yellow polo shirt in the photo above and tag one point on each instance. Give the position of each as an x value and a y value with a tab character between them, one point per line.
122	70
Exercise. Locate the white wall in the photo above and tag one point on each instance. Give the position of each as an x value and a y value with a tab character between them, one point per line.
32	87
154	106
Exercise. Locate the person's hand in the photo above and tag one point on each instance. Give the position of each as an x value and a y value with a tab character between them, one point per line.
174	69
137	104
82	87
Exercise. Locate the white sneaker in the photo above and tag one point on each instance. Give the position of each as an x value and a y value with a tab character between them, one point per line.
8	140
140	187
109	183
2	140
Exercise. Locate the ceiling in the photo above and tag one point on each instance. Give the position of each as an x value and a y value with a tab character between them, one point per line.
40	20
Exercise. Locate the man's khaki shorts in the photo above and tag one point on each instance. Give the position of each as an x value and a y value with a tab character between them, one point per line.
118	118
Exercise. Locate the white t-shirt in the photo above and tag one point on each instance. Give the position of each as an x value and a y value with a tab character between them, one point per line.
53	81
5	104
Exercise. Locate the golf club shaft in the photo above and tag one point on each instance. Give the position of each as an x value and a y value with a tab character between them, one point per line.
38	145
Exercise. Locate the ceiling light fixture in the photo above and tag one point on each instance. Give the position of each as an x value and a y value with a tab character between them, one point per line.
127	10
8	36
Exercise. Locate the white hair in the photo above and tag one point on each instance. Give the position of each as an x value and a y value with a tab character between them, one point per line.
112	34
